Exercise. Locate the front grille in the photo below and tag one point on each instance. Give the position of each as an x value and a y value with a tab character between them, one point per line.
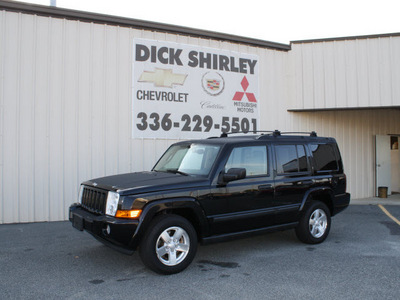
94	200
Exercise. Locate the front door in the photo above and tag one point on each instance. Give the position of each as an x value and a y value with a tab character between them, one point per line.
245	204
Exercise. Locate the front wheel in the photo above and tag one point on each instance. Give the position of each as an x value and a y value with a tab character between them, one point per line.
169	245
314	224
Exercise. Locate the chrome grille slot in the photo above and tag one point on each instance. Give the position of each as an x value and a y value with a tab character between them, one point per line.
94	200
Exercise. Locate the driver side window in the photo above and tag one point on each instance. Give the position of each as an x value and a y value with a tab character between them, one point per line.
252	158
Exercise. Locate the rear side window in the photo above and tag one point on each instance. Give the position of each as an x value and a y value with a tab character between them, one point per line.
324	157
291	159
303	162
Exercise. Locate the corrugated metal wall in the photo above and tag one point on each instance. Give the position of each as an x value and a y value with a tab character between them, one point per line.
346	74
359	73
355	132
66	112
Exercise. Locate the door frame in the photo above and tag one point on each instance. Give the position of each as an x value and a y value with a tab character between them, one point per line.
383	173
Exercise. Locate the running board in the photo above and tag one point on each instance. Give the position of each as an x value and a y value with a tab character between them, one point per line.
245	234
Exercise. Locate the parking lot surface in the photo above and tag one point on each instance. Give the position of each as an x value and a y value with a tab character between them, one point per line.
359	260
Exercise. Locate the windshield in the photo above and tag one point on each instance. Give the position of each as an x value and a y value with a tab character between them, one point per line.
192	159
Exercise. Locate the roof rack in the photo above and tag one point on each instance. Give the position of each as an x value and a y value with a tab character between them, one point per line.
274	133
312	133
225	134
279	133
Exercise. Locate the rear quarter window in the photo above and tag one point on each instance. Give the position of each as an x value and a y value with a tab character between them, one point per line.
324	157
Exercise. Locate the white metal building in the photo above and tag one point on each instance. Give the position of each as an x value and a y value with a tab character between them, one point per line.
69	82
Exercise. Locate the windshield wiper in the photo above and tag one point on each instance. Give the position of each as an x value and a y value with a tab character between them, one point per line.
176	171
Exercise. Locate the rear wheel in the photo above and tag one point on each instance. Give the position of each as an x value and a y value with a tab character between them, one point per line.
314	224
169	245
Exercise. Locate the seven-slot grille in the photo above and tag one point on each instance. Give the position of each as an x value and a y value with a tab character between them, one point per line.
94	200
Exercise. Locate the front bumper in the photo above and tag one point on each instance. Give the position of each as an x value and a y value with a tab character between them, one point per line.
118	234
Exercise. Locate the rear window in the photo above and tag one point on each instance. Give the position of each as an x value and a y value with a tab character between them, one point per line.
324	157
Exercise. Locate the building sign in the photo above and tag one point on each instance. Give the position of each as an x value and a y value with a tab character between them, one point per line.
185	91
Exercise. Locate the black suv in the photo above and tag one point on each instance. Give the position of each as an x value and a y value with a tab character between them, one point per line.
216	189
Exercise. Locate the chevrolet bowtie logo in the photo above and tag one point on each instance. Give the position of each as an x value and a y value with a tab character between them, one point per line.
163	78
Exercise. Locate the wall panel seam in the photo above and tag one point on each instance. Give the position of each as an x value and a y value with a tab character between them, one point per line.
33	127
18	117
2	93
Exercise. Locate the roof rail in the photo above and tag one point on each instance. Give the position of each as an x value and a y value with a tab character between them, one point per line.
312	133
279	133
225	134
274	133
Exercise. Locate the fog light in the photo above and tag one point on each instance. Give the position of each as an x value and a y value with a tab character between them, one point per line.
108	229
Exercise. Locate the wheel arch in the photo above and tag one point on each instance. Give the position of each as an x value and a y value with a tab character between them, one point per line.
323	194
188	208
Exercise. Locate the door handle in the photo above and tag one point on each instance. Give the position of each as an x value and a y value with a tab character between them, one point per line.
306	182
264	187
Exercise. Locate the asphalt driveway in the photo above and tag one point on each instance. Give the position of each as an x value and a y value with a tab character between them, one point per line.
359	260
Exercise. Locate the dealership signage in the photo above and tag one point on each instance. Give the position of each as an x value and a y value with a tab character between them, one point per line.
186	91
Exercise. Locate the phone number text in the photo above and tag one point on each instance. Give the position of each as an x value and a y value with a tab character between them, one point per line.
196	123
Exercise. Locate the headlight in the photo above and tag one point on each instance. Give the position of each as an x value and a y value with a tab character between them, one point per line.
112	203
80	194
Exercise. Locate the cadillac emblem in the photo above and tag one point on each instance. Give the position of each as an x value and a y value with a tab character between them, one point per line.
213	83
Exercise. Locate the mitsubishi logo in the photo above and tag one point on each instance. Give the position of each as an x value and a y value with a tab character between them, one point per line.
239	95
162	78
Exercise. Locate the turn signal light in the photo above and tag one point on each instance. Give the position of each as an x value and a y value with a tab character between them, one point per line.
131	214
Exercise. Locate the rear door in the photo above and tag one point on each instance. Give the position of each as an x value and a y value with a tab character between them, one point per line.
293	178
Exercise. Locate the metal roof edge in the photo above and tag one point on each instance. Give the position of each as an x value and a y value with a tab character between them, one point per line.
295	110
69	14
347	38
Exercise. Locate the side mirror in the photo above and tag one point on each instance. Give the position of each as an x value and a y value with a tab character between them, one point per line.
234	174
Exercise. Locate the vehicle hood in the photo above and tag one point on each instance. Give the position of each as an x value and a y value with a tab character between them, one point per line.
146	182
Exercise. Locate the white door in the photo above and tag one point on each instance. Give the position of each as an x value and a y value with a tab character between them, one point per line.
383	162
395	154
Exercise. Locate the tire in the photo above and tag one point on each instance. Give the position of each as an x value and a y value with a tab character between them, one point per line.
169	244
314	224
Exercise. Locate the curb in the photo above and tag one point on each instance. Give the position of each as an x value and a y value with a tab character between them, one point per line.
391	200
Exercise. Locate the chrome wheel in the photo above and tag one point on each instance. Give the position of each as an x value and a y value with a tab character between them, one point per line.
172	246
318	223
